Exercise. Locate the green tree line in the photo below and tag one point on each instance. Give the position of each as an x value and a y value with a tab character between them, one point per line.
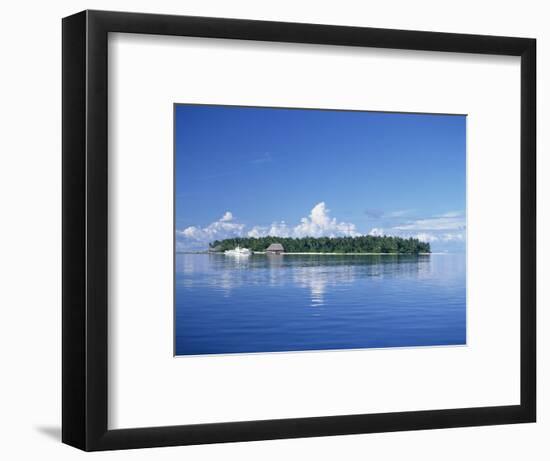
362	244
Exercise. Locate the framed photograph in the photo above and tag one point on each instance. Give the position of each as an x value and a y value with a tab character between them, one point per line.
278	230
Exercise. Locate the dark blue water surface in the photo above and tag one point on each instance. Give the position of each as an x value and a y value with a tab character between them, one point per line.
312	302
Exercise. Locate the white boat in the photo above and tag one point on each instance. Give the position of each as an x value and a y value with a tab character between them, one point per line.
238	251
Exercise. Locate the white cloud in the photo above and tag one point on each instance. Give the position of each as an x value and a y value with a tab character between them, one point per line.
446	237
445	228
452	214
319	223
376	232
257	231
228	216
198	237
426	237
447	221
450	237
277	229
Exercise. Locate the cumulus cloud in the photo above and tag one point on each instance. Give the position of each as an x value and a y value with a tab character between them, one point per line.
277	229
319	223
195	237
376	232
227	216
445	228
257	231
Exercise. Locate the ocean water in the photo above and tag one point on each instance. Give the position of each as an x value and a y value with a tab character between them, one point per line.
281	303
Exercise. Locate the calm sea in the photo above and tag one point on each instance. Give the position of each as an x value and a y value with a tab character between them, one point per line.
295	303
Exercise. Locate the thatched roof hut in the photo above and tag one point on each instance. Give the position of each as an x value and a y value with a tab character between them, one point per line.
275	248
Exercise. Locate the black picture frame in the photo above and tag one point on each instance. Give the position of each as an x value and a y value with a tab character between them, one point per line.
85	223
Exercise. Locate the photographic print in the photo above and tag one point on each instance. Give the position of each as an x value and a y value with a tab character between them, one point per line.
310	229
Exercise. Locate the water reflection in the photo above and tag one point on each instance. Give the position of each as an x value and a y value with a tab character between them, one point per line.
318	278
303	302
317	273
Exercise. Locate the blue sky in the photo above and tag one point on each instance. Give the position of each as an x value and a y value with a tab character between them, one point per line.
291	172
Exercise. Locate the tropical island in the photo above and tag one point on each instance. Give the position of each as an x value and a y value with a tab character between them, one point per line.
363	244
